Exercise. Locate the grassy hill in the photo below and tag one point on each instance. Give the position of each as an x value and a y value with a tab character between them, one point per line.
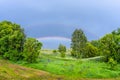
75	69
10	71
50	67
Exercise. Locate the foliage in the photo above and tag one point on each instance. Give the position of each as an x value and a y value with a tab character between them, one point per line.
112	63
12	38
62	50
78	43
95	43
116	34
110	46
31	49
55	51
90	50
62	54
75	69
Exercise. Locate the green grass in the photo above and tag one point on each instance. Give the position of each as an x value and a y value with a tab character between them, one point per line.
9	71
56	68
50	68
74	68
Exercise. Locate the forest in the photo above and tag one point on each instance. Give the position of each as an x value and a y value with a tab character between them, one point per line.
95	59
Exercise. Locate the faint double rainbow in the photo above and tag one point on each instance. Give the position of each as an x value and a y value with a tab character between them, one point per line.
54	41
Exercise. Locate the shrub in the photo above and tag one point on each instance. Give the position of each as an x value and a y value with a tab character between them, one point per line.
31	49
90	50
62	50
55	51
112	63
12	39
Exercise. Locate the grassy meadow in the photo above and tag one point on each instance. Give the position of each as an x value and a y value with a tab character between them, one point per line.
50	66
10	71
71	68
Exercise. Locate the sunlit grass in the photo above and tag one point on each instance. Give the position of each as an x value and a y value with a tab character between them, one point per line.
75	68
10	71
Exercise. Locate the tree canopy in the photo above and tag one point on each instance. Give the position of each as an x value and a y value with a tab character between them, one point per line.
15	46
78	43
12	38
31	49
90	50
62	50
110	46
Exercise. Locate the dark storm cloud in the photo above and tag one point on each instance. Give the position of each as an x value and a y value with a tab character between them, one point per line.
42	18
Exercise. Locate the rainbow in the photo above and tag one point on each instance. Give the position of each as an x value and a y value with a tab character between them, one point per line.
53	42
54	38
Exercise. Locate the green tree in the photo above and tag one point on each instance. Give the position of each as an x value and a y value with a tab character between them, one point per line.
95	43
12	38
31	50
116	32
78	43
116	35
62	50
90	50
110	46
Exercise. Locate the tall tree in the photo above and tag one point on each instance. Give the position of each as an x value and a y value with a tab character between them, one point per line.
12	38
78	43
31	49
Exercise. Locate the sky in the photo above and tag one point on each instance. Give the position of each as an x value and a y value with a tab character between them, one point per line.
50	18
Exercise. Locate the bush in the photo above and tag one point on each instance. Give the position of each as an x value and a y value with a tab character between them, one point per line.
110	47
62	54
112	63
31	50
54	51
12	39
90	50
62	50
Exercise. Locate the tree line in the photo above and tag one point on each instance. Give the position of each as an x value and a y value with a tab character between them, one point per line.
14	45
107	46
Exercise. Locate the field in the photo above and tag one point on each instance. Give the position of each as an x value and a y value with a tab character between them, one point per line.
73	69
10	71
51	66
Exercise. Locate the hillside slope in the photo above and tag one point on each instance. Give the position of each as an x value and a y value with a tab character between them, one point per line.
10	71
